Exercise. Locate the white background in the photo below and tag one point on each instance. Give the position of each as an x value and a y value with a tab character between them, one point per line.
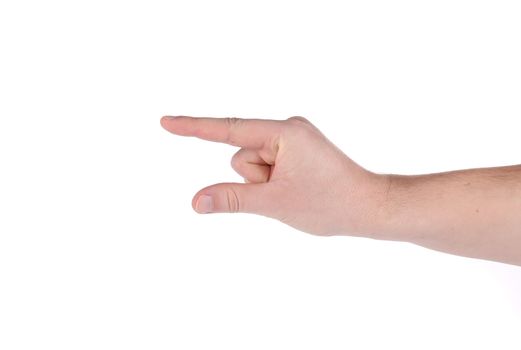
99	246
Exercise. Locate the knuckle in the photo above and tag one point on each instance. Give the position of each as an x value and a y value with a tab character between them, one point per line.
234	205
232	123
236	161
301	130
298	119
301	126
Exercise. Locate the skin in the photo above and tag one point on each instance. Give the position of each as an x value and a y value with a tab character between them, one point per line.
294	174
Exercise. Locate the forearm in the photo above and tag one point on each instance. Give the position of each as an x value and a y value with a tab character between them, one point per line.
474	213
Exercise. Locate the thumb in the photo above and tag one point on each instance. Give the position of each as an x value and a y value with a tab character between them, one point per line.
233	198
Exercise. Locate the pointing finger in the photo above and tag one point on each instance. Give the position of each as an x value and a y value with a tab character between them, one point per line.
249	133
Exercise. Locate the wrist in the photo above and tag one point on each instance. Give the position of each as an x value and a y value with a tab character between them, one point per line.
402	208
382	206
367	205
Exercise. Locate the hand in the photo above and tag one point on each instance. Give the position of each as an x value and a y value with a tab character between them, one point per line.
293	173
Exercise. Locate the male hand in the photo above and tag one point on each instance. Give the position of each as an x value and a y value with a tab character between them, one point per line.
293	173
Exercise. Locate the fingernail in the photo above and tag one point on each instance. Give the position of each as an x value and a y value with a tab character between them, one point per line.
204	204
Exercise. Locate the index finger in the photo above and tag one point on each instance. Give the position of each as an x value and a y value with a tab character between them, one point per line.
247	133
